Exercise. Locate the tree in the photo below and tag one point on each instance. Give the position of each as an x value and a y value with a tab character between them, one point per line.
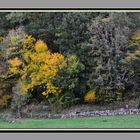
38	70
71	39
11	43
41	25
109	39
133	63
4	24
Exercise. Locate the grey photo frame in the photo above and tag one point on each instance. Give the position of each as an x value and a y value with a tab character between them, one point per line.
70	130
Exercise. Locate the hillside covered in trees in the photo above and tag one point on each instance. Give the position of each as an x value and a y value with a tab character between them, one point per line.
62	59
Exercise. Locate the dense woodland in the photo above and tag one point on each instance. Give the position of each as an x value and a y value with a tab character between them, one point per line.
62	59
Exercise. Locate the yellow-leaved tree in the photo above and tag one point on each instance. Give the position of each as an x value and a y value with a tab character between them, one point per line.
42	73
38	68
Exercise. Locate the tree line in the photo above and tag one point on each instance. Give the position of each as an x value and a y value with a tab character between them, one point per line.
68	58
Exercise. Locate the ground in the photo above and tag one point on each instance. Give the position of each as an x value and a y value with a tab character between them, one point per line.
130	121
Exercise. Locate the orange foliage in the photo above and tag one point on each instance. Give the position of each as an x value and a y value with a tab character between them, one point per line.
14	62
90	96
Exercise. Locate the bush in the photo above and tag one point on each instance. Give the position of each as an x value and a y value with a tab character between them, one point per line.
90	96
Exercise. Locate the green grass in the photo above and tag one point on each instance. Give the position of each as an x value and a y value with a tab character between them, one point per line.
132	121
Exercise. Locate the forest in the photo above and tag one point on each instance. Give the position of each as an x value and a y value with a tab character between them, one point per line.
50	61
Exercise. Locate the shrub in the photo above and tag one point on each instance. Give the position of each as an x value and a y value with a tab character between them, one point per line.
90	96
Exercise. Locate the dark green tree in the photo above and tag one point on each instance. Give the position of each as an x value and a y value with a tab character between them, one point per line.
109	39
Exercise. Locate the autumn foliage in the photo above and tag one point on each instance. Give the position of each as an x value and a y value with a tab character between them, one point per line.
38	67
67	58
90	96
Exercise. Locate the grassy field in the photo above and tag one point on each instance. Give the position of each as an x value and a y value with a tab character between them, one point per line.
94	122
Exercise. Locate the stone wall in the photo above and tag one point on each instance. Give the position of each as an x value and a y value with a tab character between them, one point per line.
116	112
102	113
